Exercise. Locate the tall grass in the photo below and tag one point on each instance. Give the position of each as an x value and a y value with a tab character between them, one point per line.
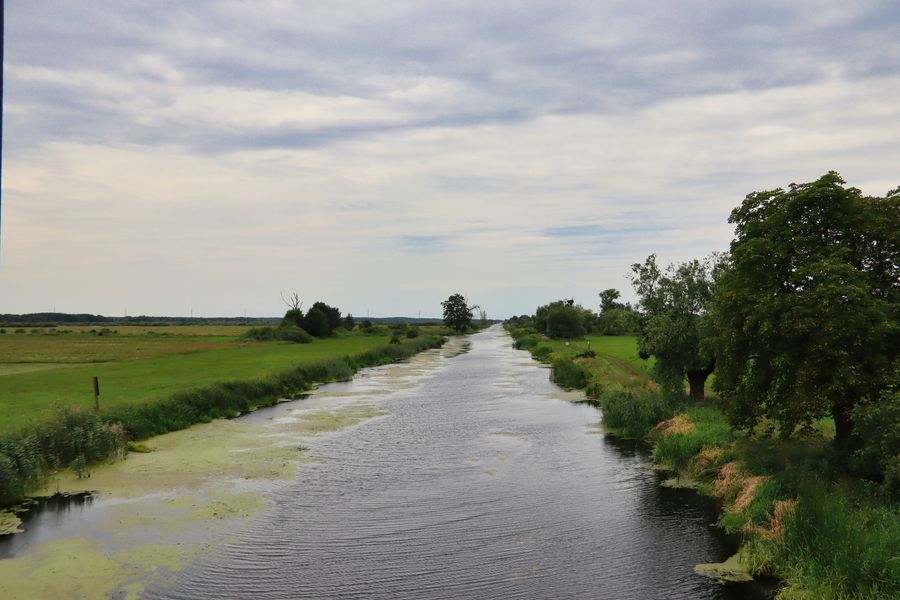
74	438
710	430
569	374
632	413
835	548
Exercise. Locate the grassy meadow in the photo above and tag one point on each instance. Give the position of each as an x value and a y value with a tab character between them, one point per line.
137	364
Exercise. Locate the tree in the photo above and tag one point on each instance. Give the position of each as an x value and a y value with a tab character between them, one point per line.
457	313
565	321
615	317
332	315
808	309
675	323
316	322
609	300
349	322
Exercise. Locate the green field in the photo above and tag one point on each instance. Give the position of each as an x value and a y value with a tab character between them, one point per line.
39	371
616	359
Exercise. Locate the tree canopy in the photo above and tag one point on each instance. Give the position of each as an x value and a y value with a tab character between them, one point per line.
457	313
675	324
807	311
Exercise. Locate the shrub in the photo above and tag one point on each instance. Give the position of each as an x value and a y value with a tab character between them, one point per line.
633	413
569	374
287	333
542	352
877	425
835	549
711	429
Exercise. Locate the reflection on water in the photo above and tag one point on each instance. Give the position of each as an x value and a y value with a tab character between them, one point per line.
481	482
46	517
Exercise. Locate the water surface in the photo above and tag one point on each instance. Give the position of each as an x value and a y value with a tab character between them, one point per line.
483	481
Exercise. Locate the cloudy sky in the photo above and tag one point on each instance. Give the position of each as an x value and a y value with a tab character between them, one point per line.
167	156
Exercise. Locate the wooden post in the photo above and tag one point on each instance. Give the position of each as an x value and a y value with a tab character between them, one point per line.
96	394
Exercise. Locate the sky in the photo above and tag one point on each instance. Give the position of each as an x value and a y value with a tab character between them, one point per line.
207	157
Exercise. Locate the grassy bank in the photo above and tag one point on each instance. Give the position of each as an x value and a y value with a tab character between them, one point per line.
40	371
826	535
75	437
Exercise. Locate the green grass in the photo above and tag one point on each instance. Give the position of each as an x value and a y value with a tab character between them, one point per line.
31	395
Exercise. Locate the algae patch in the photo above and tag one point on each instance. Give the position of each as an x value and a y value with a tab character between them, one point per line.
731	570
9	523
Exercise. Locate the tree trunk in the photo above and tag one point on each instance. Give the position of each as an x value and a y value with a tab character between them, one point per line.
697	382
843	425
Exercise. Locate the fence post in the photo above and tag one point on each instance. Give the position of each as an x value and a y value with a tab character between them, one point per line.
96	394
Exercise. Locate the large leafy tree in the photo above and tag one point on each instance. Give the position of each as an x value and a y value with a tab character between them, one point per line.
675	323
457	312
807	312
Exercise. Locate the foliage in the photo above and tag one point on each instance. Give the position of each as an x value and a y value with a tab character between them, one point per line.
675	322
710	430
349	322
877	426
808	309
569	374
288	333
316	322
632	413
563	319
834	549
457	312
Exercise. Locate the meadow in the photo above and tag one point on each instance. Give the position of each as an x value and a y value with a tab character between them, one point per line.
136	364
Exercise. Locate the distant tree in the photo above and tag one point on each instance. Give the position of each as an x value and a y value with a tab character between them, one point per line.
332	314
457	313
563	319
349	323
316	322
809	309
608	300
675	323
482	316
616	318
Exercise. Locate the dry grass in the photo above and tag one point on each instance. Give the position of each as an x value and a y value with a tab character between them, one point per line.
679	424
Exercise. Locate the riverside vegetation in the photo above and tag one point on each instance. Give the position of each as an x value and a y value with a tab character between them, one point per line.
767	378
155	380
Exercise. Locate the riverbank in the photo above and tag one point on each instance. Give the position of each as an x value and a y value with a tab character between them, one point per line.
79	438
802	519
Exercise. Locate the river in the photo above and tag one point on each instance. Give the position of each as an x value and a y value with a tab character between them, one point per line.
483	480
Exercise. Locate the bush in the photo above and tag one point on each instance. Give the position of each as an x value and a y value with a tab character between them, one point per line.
711	429
287	333
633	414
877	425
412	333
542	352
569	374
834	549
527	342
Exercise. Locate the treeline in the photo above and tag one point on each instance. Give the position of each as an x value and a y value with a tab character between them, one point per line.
565	319
76	439
51	319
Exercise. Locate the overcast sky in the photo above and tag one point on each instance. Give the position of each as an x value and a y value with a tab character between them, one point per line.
161	157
